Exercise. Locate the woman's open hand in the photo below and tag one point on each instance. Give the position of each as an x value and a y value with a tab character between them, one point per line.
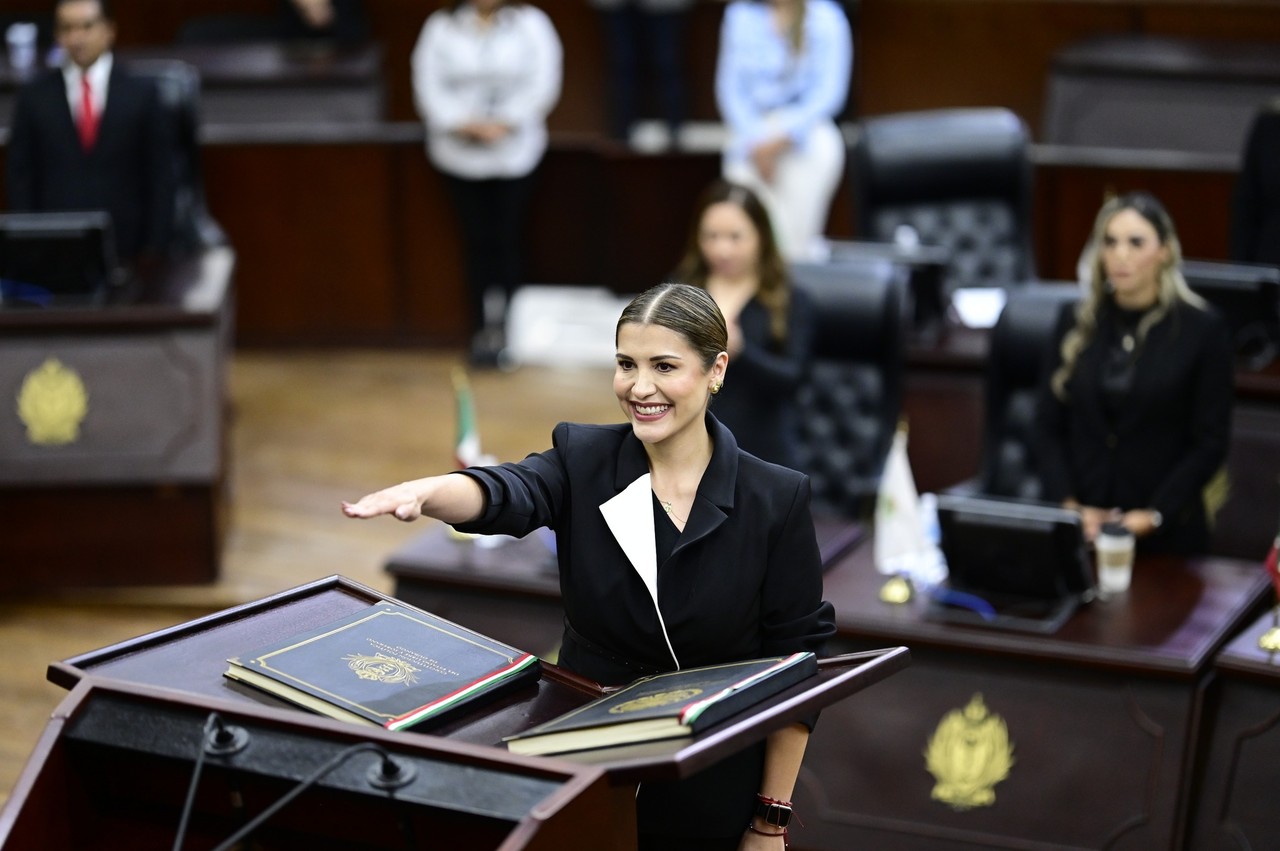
402	501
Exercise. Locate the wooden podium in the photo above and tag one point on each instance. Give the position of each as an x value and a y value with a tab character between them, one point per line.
145	700
113	768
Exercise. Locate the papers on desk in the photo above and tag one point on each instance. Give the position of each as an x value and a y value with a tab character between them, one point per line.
978	307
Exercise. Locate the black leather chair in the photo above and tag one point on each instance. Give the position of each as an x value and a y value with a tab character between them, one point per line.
851	401
956	178
194	227
1255	202
1248	297
1015	373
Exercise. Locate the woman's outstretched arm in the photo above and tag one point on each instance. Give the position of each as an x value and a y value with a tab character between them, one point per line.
451	498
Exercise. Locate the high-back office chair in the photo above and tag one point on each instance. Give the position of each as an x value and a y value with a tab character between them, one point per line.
1255	202
851	401
179	85
1015	368
1248	297
956	178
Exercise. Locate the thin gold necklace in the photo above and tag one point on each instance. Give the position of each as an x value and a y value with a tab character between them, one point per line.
666	506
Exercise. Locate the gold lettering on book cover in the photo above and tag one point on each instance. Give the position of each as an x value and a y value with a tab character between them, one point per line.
968	754
413	657
52	403
383	669
649	701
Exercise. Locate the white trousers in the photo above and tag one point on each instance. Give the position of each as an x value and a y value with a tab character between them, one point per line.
799	198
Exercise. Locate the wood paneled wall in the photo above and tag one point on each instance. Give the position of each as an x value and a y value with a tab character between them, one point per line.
912	54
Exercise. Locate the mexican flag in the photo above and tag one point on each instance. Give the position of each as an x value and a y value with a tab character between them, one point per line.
466	448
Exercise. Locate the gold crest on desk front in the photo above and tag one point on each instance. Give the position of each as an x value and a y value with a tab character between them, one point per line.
52	403
968	754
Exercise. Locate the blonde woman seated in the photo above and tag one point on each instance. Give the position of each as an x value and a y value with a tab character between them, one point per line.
1135	419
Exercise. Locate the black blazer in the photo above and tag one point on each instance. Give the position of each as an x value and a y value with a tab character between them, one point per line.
1168	441
743	581
129	171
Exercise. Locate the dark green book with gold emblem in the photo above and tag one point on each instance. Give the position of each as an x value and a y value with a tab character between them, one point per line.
666	706
388	665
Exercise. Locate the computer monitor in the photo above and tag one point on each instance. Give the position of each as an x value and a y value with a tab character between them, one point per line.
1014	565
57	257
1248	296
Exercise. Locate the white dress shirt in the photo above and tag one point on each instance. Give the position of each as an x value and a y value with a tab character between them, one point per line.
99	74
507	70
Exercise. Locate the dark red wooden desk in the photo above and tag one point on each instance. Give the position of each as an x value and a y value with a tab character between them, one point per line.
151	450
1235	790
1103	718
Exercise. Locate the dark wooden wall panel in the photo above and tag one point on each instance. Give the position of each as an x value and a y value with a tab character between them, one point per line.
1068	198
933	54
313	227
913	54
429	269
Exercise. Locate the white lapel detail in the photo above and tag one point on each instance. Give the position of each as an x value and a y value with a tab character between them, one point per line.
629	516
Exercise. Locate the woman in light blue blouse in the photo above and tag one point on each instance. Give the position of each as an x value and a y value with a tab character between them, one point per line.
782	78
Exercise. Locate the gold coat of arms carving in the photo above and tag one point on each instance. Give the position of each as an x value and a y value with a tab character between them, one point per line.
968	754
52	403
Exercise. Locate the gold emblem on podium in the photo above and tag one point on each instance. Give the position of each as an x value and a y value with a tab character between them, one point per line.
382	668
52	403
968	755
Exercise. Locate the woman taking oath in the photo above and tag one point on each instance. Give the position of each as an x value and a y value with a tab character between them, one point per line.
675	550
1135	419
731	253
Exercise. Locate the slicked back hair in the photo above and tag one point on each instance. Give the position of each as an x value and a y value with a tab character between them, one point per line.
688	311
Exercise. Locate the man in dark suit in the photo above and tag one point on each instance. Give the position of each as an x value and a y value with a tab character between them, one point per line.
92	136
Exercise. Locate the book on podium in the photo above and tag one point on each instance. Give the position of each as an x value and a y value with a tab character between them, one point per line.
666	706
387	665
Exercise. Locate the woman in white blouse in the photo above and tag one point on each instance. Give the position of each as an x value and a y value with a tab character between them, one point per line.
782	77
486	73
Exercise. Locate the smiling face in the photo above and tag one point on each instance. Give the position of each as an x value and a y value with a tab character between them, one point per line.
1132	258
661	384
729	241
83	31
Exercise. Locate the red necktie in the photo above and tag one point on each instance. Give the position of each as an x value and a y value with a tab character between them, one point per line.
88	117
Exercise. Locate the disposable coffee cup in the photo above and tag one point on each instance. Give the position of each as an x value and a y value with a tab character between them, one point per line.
1114	547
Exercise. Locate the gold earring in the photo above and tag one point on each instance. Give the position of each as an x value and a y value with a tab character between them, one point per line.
715	388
